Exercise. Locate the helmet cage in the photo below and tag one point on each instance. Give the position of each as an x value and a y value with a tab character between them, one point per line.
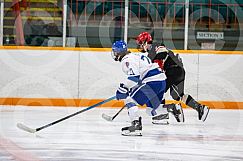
145	46
118	56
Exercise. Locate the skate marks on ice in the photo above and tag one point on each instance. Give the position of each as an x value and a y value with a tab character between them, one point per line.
89	137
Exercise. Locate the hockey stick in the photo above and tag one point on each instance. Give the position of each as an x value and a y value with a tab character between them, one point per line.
110	118
31	130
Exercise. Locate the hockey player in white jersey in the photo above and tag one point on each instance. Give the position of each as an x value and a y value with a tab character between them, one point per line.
145	84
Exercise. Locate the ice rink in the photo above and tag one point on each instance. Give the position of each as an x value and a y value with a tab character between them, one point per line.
88	137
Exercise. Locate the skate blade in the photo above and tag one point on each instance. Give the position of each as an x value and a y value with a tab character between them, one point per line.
160	123
206	111
182	117
135	133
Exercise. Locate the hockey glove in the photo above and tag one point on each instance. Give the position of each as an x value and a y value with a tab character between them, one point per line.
122	92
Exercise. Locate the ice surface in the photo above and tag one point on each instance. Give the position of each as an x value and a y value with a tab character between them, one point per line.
88	137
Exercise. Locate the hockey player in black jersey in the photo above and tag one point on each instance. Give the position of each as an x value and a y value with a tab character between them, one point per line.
172	65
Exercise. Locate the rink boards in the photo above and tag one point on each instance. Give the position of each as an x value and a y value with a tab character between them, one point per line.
83	76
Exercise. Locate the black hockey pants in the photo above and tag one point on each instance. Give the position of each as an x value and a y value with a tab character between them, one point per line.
175	82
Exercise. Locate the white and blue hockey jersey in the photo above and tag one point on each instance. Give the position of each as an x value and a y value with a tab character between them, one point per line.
140	69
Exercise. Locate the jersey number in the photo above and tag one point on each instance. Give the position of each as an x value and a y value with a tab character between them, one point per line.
143	57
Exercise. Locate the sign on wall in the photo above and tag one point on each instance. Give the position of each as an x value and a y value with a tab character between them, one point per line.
210	35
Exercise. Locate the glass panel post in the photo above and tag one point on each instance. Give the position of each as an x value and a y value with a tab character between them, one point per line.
64	23
126	21
186	24
1	22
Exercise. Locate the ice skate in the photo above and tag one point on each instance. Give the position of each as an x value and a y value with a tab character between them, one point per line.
134	130
202	112
162	119
177	111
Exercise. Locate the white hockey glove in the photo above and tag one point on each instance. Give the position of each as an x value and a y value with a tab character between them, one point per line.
122	92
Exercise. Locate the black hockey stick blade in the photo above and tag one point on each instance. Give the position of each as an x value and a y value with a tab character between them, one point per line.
26	128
